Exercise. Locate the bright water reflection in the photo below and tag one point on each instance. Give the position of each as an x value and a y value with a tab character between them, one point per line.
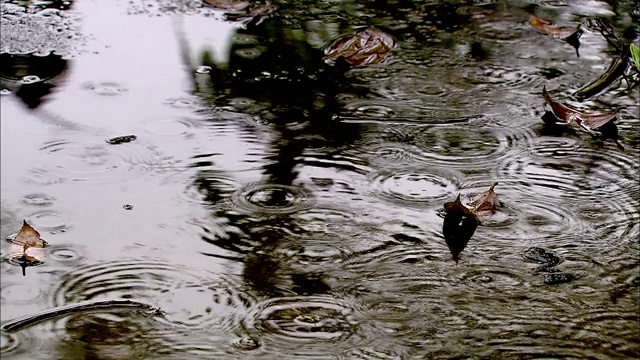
274	206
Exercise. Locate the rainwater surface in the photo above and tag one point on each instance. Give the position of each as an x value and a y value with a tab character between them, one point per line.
275	206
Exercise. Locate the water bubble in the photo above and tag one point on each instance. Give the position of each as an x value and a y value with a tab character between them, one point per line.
203	69
30	79
48	220
4	92
68	255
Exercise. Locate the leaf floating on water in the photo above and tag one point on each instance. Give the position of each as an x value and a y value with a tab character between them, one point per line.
602	123
568	34
457	206
487	201
635	54
121	139
28	237
366	47
546	27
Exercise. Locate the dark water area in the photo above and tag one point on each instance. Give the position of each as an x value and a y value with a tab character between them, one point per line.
210	188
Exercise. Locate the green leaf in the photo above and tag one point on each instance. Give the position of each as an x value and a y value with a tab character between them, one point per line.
635	54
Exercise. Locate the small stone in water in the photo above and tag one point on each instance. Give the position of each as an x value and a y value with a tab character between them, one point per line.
541	256
128	207
558	278
121	139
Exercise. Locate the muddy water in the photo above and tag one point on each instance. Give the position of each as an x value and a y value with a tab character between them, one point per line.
273	206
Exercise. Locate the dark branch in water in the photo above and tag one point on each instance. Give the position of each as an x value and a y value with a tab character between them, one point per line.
50	314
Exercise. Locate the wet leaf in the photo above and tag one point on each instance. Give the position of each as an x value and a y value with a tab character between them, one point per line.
121	139
546	27
457	206
635	54
616	69
568	34
366	47
29	237
476	208
572	115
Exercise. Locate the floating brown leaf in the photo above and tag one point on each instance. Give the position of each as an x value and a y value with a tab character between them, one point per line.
487	201
476	208
29	237
568	34
457	206
570	114
602	124
548	28
366	47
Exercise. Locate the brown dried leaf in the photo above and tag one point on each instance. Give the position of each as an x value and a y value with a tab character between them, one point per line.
572	115
29	237
366	47
546	27
487	201
457	206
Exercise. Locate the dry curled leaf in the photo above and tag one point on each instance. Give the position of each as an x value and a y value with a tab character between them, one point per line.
29	237
477	207
365	47
572	115
487	201
602	123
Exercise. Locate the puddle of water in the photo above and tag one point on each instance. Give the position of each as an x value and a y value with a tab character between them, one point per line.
273	205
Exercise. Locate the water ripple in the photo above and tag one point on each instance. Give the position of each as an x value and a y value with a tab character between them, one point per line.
97	162
413	187
191	299
272	198
469	147
19	344
305	327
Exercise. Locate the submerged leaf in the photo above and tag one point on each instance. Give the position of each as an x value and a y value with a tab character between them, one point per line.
366	47
28	237
635	54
